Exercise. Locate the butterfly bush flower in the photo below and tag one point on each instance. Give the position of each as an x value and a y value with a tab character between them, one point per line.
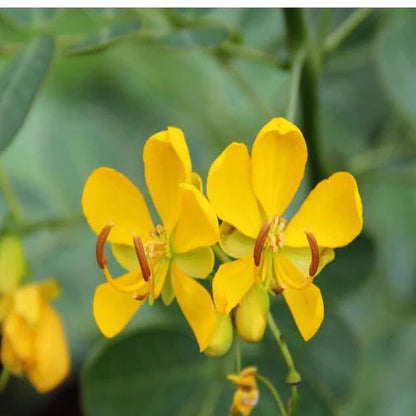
161	260
250	195
33	340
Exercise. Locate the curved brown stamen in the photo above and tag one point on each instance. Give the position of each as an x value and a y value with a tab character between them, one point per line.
99	248
313	268
141	256
277	290
261	238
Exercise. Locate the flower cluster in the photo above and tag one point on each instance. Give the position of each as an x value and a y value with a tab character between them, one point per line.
33	340
249	194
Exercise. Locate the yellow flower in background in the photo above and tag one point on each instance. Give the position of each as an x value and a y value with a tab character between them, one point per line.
161	260
247	395
250	195
33	339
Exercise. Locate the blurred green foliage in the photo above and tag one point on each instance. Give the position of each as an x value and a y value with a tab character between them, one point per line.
118	76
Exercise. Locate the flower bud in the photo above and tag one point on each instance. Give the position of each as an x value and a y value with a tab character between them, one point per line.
251	314
12	262
223	337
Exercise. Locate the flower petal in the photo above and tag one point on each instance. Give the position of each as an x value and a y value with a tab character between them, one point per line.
231	282
307	308
50	351
197	225
301	257
196	304
113	309
109	197
166	165
278	161
235	243
196	263
126	256
332	212
230	190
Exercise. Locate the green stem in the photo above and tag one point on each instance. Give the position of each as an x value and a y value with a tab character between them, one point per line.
52	224
293	377
237	352
338	36
274	393
10	197
298	39
293	95
4	378
220	254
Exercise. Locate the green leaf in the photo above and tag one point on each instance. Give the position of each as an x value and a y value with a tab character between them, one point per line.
105	38
396	53
33	18
156	372
197	37
19	85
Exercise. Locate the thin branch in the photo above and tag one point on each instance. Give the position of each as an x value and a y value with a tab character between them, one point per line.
274	393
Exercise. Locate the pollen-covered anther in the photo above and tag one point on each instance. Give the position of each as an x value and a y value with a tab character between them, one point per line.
260	240
277	289
141	256
313	267
99	248
137	296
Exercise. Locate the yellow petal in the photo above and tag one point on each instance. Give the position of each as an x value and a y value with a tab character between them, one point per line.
332	212
197	225
109	197
196	304
307	308
27	303
235	243
167	164
9	357
51	362
278	160
230	190
301	257
113	309
196	181
196	263
231	282
126	256
49	289
160	269
12	262
167	291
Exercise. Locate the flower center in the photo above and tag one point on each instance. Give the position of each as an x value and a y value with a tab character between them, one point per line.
158	246
270	238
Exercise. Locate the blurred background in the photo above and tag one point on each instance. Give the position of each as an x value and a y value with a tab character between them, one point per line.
118	76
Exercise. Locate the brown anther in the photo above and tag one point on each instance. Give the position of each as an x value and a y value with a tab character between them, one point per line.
99	248
277	290
313	268
141	256
136	296
261	238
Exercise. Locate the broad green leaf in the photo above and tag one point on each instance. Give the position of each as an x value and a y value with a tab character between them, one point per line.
19	85
396	54
32	18
201	37
105	38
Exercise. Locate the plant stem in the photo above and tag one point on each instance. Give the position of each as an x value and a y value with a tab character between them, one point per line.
334	39
293	377
10	196
237	353
298	38
293	95
51	224
220	254
274	392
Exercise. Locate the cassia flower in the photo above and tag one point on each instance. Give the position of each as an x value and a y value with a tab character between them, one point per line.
247	395
33	339
161	260
250	195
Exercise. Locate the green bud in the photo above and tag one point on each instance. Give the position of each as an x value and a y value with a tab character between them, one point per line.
223	337
12	262
251	314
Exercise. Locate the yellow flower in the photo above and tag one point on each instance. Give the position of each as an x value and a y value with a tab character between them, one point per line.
247	395
161	260
250	195
33	340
